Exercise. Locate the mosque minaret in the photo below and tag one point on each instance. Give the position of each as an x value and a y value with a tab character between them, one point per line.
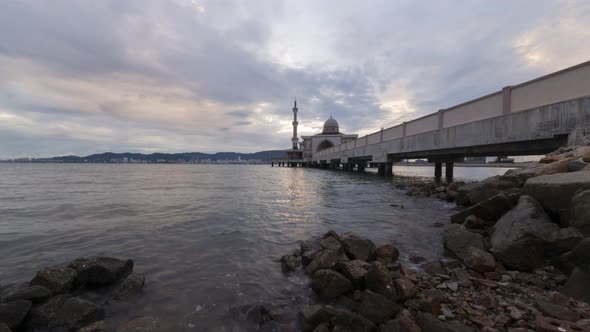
295	140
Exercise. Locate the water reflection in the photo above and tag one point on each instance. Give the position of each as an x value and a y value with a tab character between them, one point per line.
207	236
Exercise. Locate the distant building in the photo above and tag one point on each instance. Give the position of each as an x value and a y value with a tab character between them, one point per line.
329	137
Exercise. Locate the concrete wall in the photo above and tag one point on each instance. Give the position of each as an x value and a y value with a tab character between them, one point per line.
393	132
422	125
553	88
487	107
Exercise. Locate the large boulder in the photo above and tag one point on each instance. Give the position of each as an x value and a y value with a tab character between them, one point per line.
379	280
387	254
76	313
41	315
329	284
580	256
522	236
14	313
479	260
57	279
555	192
35	293
477	192
358	248
4	327
290	262
581	212
310	316
377	308
522	175
326	259
457	240
131	286
578	285
101	270
355	271
583	152
141	324
489	210
346	321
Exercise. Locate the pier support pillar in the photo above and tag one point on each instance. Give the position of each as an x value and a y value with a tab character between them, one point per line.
449	170
272	164
385	169
438	170
361	167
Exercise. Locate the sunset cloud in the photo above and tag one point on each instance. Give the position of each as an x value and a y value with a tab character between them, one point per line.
186	75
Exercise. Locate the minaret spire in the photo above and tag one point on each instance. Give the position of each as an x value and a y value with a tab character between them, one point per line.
295	140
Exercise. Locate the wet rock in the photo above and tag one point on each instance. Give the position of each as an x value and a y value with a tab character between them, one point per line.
327	259
474	222
141	324
555	192
94	327
576	165
4	327
131	286
41	316
13	313
489	210
581	212
578	285
355	271
76	313
309	249
57	279
479	260
377	308
405	288
457	240
378	279
35	293
331	243
430	302
556	311
101	270
520	236
433	268
329	284
387	254
548	324
358	248
290	262
346	321
310	316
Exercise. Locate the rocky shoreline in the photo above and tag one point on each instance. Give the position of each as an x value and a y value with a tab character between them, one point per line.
521	251
72	297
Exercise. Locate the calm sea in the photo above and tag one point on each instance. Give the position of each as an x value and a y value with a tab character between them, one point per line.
207	236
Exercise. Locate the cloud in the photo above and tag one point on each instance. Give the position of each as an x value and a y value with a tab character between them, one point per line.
187	75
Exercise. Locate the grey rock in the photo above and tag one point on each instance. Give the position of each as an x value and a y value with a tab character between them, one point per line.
57	279
578	285
290	262
13	313
580	256
520	236
379	280
353	270
141	324
556	311
477	192
489	210
310	316
94	327
101	270
581	212
130	287
457	240
428	322
35	293
331	243
346	321
324	327
555	192
405	288
576	165
479	260
329	284
41	316
387	254
76	313
4	327
327	259
358	248
377	308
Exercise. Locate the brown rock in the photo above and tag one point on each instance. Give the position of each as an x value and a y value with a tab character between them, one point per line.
378	279
474	222
327	259
556	311
143	324
377	308
548	324
354	270
479	260
358	248
387	254
329	284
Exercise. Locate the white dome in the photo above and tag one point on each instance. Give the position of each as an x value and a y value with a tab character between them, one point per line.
331	126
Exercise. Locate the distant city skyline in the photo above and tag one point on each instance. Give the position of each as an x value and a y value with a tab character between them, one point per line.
185	75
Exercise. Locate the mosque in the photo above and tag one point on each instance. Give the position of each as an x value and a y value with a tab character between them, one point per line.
329	137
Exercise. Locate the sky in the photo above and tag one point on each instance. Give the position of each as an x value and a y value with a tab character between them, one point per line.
83	77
